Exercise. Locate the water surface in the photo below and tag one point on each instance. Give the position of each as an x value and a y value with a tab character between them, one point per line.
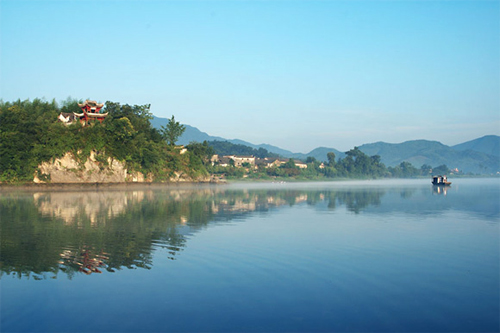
343	256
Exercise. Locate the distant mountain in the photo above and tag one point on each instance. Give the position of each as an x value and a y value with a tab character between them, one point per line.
190	134
193	134
477	156
416	152
269	148
419	152
489	144
318	153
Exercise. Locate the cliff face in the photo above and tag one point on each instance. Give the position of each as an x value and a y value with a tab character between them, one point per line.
67	170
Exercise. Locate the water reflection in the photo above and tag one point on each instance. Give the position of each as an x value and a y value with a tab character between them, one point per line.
85	260
48	233
440	190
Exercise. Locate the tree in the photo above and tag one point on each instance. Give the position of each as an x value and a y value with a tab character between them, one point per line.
331	159
310	159
408	170
289	165
71	105
202	150
425	170
139	115
225	148
172	131
441	170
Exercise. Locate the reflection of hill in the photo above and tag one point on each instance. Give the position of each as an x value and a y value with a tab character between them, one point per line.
89	231
95	231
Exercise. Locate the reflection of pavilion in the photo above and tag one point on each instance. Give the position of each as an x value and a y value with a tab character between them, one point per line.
84	260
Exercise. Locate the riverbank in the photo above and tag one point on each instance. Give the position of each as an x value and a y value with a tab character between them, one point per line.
100	186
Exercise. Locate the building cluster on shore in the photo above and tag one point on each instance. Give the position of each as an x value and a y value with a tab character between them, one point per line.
254	162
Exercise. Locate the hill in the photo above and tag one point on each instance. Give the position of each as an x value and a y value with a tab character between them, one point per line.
193	134
318	153
419	152
416	152
190	134
36	146
489	144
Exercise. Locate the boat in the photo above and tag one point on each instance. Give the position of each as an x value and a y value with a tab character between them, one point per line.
440	181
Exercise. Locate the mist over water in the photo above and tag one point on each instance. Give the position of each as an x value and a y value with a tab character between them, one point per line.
339	256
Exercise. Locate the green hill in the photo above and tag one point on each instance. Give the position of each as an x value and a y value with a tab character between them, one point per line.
489	144
194	134
30	134
419	152
319	154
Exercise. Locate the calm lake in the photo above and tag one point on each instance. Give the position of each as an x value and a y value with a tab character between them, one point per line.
386	256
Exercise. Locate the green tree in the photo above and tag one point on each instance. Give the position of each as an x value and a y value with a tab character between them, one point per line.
425	170
331	159
203	150
289	165
225	148
172	131
408	170
71	105
310	159
441	170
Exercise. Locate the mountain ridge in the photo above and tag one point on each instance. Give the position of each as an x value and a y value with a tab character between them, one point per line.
488	144
480	155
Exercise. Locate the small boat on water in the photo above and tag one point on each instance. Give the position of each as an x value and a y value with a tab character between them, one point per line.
440	181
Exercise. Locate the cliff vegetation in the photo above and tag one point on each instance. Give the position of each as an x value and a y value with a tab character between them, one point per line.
31	137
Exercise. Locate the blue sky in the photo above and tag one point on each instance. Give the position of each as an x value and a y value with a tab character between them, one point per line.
295	74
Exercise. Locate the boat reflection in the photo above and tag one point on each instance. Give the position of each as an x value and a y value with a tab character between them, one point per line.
440	190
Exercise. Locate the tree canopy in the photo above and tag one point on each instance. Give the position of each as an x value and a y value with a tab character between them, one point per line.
228	148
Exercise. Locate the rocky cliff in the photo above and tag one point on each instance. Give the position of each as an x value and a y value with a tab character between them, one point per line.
67	170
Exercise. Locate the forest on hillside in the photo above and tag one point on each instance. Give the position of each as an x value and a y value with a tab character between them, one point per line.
30	134
226	148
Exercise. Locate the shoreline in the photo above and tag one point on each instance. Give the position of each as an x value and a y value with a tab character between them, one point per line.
99	186
11	187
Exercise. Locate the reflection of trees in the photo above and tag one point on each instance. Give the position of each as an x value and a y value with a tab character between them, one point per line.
70	237
92	231
355	201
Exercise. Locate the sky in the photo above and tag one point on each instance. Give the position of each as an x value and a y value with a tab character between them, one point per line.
294	74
